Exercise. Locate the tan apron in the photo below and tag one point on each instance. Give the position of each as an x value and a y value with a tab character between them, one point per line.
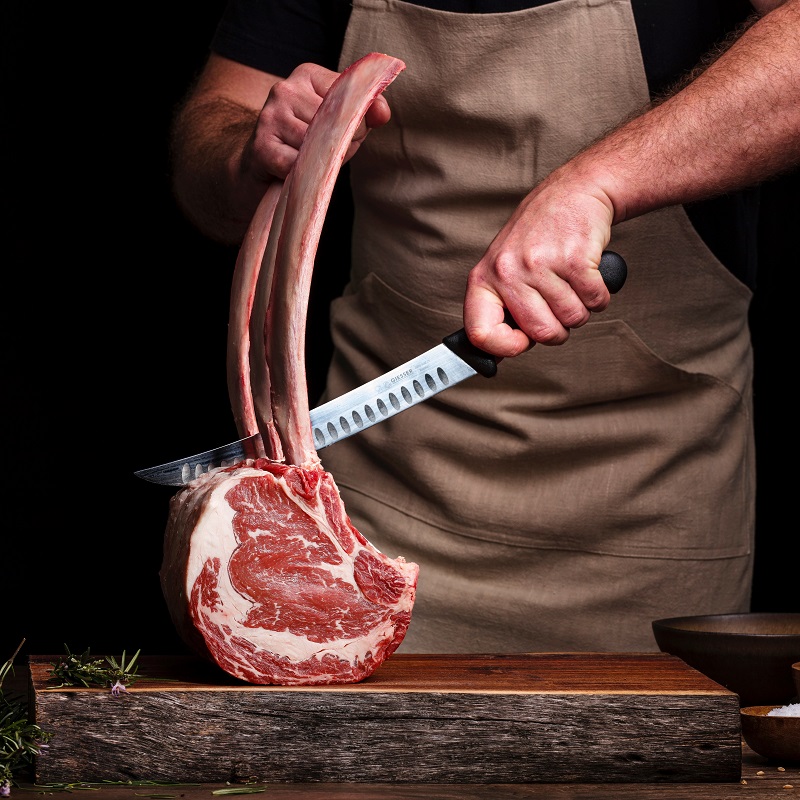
590	488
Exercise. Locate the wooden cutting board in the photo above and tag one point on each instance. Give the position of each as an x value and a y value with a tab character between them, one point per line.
543	717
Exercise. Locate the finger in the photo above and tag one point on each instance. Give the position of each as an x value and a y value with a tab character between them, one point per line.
571	287
319	78
281	131
294	98
552	305
586	281
281	159
378	113
535	316
292	129
485	325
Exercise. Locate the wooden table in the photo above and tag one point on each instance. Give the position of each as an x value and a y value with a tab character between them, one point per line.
761	779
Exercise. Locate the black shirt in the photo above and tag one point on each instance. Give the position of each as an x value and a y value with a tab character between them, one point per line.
674	35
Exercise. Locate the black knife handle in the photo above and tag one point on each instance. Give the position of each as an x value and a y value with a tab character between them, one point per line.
614	271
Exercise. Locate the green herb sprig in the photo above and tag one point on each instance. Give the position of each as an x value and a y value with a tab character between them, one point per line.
20	740
83	670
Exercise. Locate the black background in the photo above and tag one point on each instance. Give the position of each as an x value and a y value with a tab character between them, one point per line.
115	319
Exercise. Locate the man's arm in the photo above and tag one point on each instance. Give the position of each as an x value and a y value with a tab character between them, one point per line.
238	130
735	125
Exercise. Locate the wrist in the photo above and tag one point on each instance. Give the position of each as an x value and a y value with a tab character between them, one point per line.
589	178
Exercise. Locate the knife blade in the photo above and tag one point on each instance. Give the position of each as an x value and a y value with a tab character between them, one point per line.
403	387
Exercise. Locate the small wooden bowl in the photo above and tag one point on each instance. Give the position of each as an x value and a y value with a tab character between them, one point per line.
775	738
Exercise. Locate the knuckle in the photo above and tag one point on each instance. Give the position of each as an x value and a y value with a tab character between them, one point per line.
279	90
597	301
576	318
505	265
547	334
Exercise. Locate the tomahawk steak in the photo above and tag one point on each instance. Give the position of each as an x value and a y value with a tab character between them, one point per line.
263	571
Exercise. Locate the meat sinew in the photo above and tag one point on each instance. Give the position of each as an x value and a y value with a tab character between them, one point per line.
263	571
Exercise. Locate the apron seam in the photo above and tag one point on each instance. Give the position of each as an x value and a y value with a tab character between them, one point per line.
641	552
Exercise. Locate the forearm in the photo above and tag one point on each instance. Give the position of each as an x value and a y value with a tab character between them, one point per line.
736	124
212	189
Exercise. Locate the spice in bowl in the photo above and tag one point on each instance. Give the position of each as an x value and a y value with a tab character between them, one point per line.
792	710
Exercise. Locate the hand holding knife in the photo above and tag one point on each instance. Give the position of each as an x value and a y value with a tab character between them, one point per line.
401	388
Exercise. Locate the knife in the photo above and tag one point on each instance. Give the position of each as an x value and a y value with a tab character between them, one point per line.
401	388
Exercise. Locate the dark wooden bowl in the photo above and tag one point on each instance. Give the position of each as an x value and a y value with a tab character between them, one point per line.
750	654
775	738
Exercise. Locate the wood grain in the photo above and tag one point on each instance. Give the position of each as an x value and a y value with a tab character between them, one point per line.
481	719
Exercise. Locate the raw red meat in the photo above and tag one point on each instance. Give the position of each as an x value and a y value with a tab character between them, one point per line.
243	290
263	571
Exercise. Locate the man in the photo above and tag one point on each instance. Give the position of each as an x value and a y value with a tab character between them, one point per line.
589	488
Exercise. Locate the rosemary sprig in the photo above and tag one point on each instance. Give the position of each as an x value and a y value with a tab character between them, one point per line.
83	670
20	740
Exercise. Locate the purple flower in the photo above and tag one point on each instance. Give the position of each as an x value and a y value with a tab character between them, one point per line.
118	688
5	788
